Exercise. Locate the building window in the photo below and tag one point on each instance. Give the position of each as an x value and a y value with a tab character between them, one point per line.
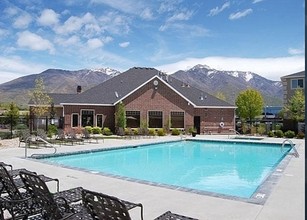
155	119
297	84
177	119
100	120
87	118
74	120
133	119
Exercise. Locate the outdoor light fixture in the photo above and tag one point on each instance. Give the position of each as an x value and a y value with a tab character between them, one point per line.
155	83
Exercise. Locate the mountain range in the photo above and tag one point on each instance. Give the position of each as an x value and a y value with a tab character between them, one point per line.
225	83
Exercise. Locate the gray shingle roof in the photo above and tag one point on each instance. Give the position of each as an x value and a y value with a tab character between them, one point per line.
294	75
115	89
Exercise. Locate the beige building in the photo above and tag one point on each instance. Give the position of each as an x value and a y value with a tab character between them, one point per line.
291	83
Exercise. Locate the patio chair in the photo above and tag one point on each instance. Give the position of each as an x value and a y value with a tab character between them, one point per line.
73	137
23	136
61	137
102	206
16	203
173	216
54	206
86	136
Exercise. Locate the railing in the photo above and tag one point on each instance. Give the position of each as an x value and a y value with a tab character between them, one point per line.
234	131
47	144
295	153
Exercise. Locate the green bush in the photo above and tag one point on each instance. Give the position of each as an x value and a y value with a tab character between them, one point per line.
89	129
175	131
289	134
52	130
135	131
261	129
96	130
271	134
5	135
300	135
106	131
278	127
279	133
21	127
161	132
152	132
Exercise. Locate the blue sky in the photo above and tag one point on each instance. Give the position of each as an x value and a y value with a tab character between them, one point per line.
262	36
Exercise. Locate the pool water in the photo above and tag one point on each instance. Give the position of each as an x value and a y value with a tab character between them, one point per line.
229	168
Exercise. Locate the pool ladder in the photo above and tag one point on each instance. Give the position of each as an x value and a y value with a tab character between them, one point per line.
43	140
295	153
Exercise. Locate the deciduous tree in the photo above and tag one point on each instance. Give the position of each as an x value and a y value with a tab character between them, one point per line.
40	99
295	108
249	104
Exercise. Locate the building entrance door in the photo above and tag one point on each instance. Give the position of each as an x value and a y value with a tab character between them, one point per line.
197	123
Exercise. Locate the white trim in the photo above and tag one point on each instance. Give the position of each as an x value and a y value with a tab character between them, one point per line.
71	118
155	111
170	118
155	77
83	104
227	107
86	109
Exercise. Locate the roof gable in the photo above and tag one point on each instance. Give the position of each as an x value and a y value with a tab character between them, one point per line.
123	85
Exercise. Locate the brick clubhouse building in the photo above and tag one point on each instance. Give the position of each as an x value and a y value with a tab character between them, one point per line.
150	97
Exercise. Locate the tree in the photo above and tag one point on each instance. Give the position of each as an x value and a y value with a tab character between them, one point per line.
12	115
249	104
295	108
120	115
40	99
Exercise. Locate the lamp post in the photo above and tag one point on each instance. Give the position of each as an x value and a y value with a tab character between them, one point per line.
52	114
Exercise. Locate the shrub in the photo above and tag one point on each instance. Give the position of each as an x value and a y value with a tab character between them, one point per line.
278	126
135	131
161	132
96	130
261	129
52	130
175	131
21	127
300	135
152	132
89	129
289	134
271	134
106	131
279	133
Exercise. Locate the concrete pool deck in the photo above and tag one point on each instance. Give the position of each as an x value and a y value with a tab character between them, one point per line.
286	201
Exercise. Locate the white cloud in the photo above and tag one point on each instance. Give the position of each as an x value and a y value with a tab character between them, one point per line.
240	14
71	41
217	10
94	43
115	23
74	24
257	1
180	16
22	21
11	11
147	14
48	18
13	67
134	7
34	42
271	68
295	51
124	44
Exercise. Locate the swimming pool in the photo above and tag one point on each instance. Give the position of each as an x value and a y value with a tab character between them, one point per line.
226	168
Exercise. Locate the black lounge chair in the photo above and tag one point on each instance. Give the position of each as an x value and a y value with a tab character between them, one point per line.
86	136
102	206
173	216
54	206
16	203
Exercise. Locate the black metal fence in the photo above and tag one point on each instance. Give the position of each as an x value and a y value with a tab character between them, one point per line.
9	127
